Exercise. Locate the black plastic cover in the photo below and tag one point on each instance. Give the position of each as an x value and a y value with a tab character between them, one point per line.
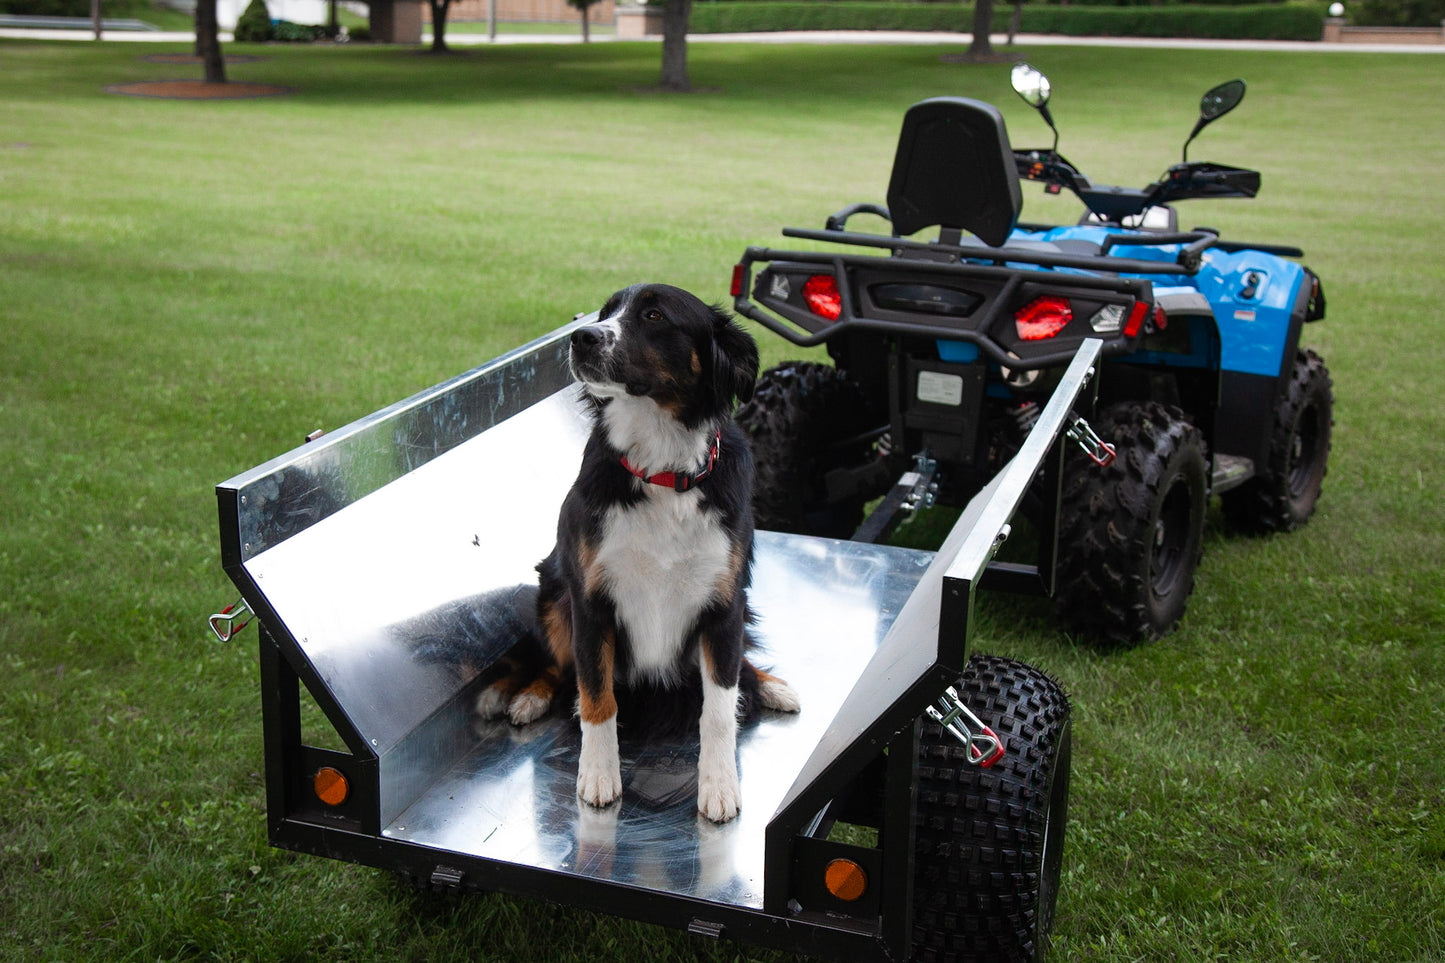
954	168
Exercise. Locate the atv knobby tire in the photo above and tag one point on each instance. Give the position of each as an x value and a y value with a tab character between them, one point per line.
989	842
799	421
1130	534
1282	494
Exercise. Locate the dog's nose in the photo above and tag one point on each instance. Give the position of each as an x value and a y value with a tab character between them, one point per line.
591	337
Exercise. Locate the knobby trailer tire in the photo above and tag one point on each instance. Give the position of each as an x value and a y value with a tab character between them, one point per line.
989	842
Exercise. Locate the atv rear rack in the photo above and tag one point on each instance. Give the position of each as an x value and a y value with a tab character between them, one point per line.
1008	285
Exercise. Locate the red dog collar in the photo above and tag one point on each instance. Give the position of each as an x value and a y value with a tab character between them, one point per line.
676	480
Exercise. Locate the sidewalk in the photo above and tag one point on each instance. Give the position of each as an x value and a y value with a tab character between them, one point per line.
810	37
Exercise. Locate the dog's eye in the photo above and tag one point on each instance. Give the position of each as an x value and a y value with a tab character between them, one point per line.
652	315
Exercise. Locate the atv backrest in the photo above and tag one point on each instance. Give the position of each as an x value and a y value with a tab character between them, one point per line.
954	168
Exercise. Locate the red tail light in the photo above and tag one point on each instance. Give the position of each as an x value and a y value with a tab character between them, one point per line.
1043	318
822	296
739	273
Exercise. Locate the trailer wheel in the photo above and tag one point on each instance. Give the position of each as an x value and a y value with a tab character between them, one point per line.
989	842
1282	495
804	420
1130	534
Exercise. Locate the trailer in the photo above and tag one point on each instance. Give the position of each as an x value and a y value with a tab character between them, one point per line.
914	809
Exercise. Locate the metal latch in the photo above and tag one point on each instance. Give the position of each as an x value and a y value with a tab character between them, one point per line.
1100	452
923	490
223	623
445	878
984	746
707	928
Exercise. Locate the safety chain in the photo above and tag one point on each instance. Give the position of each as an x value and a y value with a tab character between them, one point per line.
223	623
1099	451
984	746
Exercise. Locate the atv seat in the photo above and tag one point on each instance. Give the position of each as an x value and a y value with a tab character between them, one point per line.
954	169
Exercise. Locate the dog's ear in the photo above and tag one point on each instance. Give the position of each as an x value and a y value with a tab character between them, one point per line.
735	358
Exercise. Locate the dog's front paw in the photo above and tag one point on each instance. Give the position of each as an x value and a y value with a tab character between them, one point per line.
599	785
599	767
718	794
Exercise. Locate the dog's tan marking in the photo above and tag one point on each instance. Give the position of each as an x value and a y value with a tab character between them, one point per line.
598	707
727	582
558	626
594	576
545	685
696	363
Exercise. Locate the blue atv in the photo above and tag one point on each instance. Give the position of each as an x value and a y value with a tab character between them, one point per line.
945	349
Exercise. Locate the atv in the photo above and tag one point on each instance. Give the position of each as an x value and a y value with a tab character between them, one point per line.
944	349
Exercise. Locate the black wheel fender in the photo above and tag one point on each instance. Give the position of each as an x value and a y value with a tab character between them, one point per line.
1284	491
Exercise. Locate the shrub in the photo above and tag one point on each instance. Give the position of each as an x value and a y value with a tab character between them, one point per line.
1396	13
254	26
1272	21
287	32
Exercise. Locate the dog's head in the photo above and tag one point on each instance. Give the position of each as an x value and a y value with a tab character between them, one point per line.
660	342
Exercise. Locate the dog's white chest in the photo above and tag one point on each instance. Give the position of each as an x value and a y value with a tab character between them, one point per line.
663	561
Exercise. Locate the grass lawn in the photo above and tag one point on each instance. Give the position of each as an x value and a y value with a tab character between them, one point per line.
188	288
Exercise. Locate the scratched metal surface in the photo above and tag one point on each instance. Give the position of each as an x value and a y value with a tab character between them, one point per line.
824	606
397	553
396	600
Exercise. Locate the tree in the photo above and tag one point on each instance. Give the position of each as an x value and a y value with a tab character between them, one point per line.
208	44
582	6
980	48
674	45
439	10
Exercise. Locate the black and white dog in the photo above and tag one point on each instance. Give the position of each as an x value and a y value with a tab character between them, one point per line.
644	590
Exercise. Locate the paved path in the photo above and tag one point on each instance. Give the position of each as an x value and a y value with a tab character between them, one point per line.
457	39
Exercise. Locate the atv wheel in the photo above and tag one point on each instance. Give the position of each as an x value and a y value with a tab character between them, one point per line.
989	842
1282	495
804	420
1130	534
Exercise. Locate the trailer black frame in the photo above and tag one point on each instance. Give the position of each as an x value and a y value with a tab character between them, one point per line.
859	771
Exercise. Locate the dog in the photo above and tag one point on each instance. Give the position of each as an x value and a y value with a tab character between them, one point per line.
645	588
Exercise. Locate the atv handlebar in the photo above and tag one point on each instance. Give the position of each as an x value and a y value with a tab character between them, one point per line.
1113	204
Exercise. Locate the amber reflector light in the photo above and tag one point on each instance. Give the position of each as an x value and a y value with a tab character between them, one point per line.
845	879
331	786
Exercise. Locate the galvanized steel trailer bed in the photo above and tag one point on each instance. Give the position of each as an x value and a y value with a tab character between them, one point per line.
375	554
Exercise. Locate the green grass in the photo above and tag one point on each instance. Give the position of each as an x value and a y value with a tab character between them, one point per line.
187	288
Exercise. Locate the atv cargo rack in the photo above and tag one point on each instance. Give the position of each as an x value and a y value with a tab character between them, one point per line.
389	562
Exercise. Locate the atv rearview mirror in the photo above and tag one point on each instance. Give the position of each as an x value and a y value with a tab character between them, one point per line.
1213	105
1030	84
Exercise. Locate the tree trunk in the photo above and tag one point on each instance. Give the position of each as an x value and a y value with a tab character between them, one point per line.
674	45
439	25
586	37
208	45
981	48
1014	20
